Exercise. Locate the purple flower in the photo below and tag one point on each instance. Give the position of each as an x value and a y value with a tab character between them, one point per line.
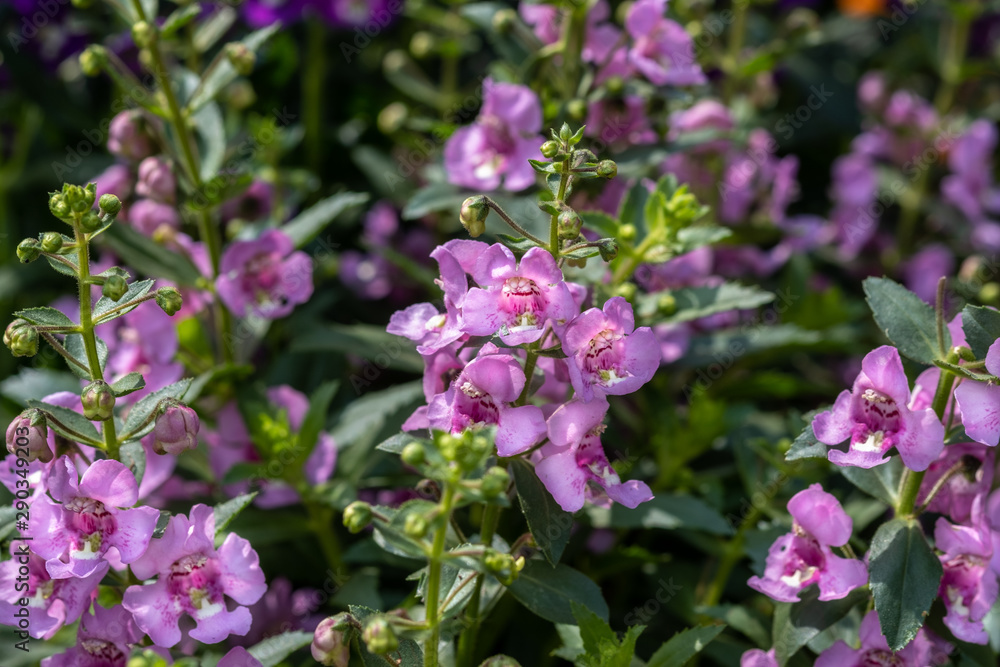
545	20
266	277
972	480
516	299
970	185
194	579
103	640
575	457
969	585
254	203
980	403
855	185
875	416
755	657
281	610
803	557
367	276
620	123
497	146
175	430
480	396
74	533
662	50
351	13
151	217
128	136
872	91
52	603
239	657
27	436
329	645
874	649
607	354
157	180
922	271
262	13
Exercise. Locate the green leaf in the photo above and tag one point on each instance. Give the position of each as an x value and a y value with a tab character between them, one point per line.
392	537
907	321
115	271
46	317
145	407
600	222
273	650
982	328
396	443
60	267
433	198
671	512
408	655
127	384
692	238
315	419
224	513
795	624
904	576
179	18
155	260
381	349
881	482
133	455
548	523
210	135
631	210
74	345
549	592
962	371
518	244
692	303
224	73
684	645
730	344
601	643
136	290
806	446
307	225
67	423
30	382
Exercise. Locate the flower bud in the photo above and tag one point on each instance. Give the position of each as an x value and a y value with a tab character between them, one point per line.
91	221
379	637
422	44
169	299
156	180
413	454
415	526
128	137
98	401
110	205
143	34
569	225
93	60
473	215
666	304
51	242
28	250
495	482
241	58
175	429
114	287
576	109
21	337
550	149
608	249
357	516
500	661
29	431
501	565
58	205
329	646
615	85
627	232
607	169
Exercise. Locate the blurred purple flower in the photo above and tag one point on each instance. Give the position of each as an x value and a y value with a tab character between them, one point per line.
266	276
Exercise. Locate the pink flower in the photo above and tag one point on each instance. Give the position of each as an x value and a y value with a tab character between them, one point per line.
980	403
176	429
516	299
27	436
620	123
480	396
150	217
497	146
157	180
874	650
74	533
875	416
103	640
662	50
758	658
266	276
239	657
803	557
606	353
52	603
973	480
128	136
969	585
194	579
574	457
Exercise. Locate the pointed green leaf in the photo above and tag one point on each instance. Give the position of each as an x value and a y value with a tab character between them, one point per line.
315	419
156	260
671	511
795	624
549	592
806	446
907	321
133	455
136	290
129	383
548	523
61	267
46	317
68	423
224	73
74	345
684	645
179	18
273	650
982	328
224	513
307	225
881	482
145	407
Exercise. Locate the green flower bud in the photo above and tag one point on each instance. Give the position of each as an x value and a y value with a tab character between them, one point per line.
58	205
550	149
241	58
392	117
626	290
577	109
114	287
607	169
98	401
357	516
500	661
379	637
415	526
608	249
93	60
413	454
22	339
569	225
615	85
91	221
666	304
627	232
501	565
143	34
28	250
110	205
51	242
473	215
495	481
449	446
422	44
169	299
989	293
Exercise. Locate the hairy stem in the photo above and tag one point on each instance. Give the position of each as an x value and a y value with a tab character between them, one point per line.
434	578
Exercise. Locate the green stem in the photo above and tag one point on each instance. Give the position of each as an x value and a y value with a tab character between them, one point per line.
560	197
321	522
434	577
467	641
87	331
529	371
736	37
909	485
732	555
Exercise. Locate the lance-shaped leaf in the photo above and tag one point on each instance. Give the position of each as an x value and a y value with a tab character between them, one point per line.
908	322
127	384
795	624
683	646
548	523
223	73
68	423
140	420
46	317
226	512
136	290
982	328
549	592
307	225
